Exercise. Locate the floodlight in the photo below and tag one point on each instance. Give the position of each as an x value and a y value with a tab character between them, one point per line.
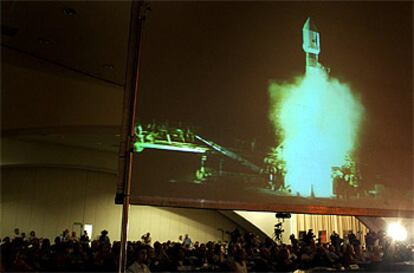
396	231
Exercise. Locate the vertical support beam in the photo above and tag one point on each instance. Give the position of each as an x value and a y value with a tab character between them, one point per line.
128	122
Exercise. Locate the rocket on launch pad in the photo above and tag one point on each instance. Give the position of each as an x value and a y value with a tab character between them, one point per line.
311	45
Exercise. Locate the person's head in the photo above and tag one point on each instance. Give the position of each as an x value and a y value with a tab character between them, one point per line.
218	249
105	247
73	233
180	253
32	233
157	246
240	254
46	244
104	232
265	253
95	245
35	243
202	249
308	250
186	236
16	231
284	253
349	249
142	255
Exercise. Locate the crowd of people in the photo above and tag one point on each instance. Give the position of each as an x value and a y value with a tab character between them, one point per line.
243	252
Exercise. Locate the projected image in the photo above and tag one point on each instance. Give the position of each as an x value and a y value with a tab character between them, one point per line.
246	115
319	118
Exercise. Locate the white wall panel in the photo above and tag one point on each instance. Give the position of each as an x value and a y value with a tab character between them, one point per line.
48	200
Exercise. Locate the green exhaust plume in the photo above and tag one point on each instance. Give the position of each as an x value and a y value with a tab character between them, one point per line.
318	119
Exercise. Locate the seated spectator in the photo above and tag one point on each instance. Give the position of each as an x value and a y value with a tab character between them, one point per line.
160	260
247	253
65	237
23	236
239	265
140	264
73	237
32	236
17	233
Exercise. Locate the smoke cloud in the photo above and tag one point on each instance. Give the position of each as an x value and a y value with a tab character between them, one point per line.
318	119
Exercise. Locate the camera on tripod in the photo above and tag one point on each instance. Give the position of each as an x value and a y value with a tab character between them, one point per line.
278	229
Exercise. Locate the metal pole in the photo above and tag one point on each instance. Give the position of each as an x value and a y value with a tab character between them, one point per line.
131	91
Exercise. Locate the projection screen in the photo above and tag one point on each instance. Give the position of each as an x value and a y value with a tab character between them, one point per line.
277	106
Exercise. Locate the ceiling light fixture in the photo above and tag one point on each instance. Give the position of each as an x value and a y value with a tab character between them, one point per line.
108	66
45	41
69	12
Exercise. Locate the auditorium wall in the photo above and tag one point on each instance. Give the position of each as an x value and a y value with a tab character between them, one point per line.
298	223
49	200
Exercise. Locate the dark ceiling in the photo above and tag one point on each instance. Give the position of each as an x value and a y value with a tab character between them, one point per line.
88	37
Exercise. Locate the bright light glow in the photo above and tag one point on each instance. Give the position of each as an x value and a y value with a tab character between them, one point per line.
88	228
318	119
396	231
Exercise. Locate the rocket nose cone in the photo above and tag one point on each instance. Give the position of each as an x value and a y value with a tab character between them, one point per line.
307	24
310	25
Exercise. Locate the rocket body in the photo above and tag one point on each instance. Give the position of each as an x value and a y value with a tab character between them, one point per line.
311	44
